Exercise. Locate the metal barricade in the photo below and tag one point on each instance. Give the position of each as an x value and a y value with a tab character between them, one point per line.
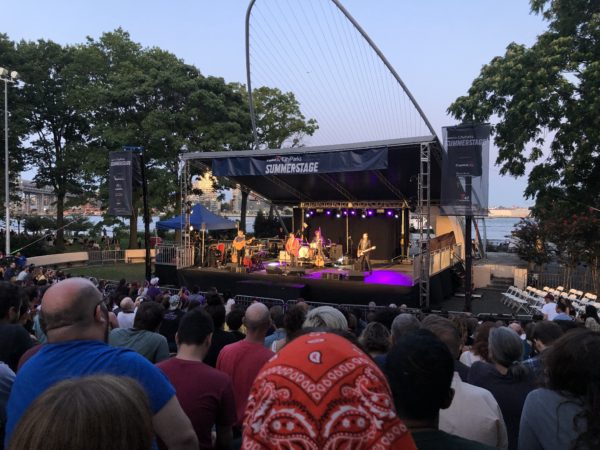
174	255
105	256
247	300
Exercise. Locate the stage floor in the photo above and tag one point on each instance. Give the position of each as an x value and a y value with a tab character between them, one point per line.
387	284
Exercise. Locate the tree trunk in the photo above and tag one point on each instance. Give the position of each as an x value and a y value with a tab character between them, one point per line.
60	221
244	209
133	227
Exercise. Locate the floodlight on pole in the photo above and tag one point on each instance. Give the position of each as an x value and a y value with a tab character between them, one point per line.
7	78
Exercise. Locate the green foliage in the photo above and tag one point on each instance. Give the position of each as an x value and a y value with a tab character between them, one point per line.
530	241
546	98
37	224
279	121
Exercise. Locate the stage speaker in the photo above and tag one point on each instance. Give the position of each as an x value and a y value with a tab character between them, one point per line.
333	275
297	271
274	270
336	252
356	275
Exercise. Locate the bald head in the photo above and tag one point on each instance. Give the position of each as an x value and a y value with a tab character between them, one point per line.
70	305
257	317
127	304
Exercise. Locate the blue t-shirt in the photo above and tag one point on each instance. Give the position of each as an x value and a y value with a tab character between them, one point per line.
57	362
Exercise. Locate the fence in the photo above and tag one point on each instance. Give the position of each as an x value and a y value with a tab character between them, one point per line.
105	256
174	255
581	280
439	260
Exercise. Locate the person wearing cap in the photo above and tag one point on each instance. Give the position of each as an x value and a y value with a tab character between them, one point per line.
170	323
153	289
549	309
143	337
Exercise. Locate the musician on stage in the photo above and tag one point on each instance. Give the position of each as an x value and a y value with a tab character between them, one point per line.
317	244
239	246
364	256
292	247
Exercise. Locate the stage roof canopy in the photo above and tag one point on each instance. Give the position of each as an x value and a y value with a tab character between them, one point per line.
380	171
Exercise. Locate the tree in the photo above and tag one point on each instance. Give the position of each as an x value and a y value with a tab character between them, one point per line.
16	121
150	98
279	121
56	137
531	243
546	99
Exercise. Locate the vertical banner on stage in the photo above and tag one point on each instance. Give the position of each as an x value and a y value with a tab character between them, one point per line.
120	183
465	173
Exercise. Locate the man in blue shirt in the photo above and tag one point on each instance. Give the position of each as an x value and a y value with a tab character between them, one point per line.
561	309
75	320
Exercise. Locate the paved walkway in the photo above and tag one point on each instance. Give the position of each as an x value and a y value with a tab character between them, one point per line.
490	302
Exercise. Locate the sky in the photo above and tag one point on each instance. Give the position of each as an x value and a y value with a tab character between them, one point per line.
437	46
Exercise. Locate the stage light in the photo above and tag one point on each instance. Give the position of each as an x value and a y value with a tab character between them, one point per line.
328	212
191	228
381	211
307	215
395	216
345	212
363	215
353	213
273	264
390	213
369	213
319	210
338	215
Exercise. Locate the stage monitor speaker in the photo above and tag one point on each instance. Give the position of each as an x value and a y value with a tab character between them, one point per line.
333	275
274	270
297	271
356	275
336	252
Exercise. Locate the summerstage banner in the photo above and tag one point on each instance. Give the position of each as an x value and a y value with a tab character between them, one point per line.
120	183
465	172
303	163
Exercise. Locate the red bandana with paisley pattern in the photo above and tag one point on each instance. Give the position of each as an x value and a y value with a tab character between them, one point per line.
322	393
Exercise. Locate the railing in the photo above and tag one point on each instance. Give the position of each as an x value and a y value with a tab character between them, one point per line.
174	255
580	280
439	260
105	256
247	300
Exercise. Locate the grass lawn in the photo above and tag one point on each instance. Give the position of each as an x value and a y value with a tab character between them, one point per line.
131	272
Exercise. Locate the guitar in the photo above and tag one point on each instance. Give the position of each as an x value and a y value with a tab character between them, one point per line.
362	252
239	245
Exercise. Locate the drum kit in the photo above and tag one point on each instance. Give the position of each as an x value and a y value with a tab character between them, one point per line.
309	254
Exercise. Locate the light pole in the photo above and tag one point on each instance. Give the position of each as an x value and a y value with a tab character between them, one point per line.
7	77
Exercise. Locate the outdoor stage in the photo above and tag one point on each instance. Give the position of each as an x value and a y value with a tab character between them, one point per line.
388	284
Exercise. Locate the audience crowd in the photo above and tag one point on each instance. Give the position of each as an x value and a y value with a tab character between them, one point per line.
137	367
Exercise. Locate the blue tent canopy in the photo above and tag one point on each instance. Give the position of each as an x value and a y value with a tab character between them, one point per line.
198	216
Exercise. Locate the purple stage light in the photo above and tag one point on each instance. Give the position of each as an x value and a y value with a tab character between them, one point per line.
345	213
353	212
390	213
369	213
328	212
